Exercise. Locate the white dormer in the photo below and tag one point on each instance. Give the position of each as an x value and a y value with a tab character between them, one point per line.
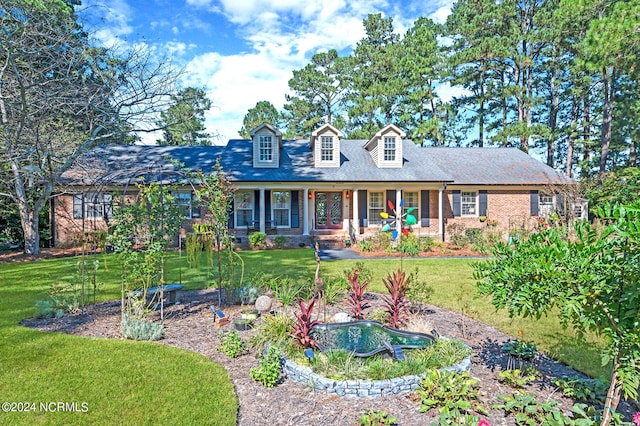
385	147
325	144
267	141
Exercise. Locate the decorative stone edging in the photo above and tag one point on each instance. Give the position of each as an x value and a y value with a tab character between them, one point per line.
361	388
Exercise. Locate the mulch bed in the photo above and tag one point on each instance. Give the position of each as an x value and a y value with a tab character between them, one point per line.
190	325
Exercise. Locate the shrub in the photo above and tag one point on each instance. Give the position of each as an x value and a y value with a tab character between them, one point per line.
528	411
249	294
457	235
366	245
396	303
452	391
586	390
268	371
304	324
376	418
355	297
517	378
257	240
335	289
275	330
418	291
287	291
232	345
426	243
280	241
409	245
140	329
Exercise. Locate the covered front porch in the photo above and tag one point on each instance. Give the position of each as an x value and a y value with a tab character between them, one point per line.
347	213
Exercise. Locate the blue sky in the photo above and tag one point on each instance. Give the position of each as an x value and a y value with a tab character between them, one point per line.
244	51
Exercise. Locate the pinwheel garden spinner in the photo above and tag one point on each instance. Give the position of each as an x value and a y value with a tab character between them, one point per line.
397	218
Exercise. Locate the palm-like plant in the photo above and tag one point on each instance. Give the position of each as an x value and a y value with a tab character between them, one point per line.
355	297
396	304
304	325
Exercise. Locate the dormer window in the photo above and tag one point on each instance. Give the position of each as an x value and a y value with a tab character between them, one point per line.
266	148
385	147
326	150
389	148
325	145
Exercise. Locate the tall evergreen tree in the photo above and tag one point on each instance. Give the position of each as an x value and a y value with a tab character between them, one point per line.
376	86
183	122
263	112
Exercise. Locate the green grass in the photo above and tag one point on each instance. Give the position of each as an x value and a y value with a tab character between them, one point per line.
121	382
127	382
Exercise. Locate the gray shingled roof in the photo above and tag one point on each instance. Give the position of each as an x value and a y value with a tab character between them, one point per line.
486	166
494	166
356	165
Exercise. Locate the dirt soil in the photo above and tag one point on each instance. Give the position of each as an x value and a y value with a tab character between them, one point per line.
190	325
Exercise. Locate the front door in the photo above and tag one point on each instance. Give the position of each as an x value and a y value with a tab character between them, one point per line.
328	210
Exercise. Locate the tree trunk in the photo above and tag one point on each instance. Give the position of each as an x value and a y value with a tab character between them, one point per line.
608	78
30	227
572	139
613	395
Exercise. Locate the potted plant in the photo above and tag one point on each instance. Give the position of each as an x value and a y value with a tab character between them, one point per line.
242	324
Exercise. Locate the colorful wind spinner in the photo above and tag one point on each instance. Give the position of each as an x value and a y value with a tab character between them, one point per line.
408	218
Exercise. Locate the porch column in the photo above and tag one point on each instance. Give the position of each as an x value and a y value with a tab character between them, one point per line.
441	213
305	212
262	206
356	217
398	210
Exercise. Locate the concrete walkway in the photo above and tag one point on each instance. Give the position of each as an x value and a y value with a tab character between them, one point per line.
339	254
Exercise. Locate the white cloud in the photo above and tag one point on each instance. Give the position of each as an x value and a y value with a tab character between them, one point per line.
235	84
111	21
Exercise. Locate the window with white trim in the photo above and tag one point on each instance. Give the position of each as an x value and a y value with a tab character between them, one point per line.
92	205
281	208
266	148
244	202
411	199
389	148
326	148
375	207
546	205
469	203
186	200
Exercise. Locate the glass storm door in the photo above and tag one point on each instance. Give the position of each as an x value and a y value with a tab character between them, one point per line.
328	210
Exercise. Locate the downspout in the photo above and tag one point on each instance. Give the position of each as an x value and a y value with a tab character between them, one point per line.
441	210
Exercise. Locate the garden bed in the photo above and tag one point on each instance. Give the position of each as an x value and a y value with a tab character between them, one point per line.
190	325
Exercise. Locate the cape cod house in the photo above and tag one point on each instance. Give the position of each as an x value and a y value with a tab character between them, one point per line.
327	186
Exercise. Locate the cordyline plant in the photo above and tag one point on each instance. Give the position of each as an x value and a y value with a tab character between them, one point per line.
304	324
593	279
396	304
355	298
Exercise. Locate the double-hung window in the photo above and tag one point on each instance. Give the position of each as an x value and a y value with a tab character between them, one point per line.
326	148
92	205
281	208
375	207
186	200
468	203
244	207
266	148
411	200
389	148
546	205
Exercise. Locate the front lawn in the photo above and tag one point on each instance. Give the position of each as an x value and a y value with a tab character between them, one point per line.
124	382
114	381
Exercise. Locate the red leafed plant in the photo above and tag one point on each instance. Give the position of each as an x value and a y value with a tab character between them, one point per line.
304	324
355	298
396	303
